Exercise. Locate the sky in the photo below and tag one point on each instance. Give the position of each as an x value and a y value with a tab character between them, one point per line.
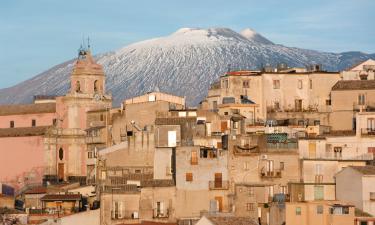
38	34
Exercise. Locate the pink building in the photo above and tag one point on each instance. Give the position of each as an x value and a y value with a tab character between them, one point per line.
22	130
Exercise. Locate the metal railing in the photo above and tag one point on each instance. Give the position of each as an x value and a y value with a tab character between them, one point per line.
368	131
158	213
270	174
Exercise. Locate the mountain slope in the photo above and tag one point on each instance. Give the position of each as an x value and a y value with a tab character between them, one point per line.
184	63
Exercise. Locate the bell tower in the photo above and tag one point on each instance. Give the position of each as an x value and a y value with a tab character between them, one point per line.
87	76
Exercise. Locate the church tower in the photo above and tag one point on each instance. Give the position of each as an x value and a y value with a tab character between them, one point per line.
87	76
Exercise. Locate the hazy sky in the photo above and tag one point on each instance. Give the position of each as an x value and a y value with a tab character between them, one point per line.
38	34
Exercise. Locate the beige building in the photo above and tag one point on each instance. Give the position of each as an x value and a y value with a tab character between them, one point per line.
349	97
356	184
361	71
319	213
275	95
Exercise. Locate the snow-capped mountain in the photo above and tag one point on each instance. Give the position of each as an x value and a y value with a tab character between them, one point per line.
184	63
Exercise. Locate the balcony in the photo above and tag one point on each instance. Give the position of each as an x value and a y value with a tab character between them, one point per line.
368	132
340	157
270	174
124	215
94	139
158	213
218	185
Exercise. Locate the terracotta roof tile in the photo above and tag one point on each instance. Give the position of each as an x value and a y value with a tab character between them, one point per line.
232	220
64	197
354	85
27	109
36	190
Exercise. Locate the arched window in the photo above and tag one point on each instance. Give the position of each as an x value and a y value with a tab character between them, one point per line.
78	86
95	85
61	154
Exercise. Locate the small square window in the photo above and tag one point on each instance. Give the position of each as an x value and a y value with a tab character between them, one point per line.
189	177
298	211
11	124
246	84
33	123
276	84
300	84
319	209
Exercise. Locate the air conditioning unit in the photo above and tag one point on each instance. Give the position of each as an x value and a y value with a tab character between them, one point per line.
263	157
135	215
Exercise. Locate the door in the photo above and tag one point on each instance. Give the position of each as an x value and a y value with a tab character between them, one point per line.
172	136
219	200
298	105
312	149
218	180
61	171
224	126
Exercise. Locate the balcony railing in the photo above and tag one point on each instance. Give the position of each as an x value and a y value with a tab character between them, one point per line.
338	156
218	185
368	132
124	214
282	145
158	213
270	174
94	139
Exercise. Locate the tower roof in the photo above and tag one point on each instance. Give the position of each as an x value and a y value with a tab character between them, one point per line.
86	65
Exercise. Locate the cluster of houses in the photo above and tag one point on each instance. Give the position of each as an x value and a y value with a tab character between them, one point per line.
270	147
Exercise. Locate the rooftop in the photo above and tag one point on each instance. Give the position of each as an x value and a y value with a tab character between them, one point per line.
63	197
6	110
23	131
365	170
343	85
149	223
37	190
231	220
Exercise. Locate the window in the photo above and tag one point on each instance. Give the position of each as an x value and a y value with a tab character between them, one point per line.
318	192
225	83
117	210
310	84
283	189
78	86
54	122
316	122
226	113
214	104
189	177
246	84
11	124
301	123
370	124
300	84
95	85
277	105
328	101
33	123
61	154
298	210
281	165
361	99
101	117
208	153
319	209
159	209
318	169
337	151
138	171
250	207
276	84
194	158
251	191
